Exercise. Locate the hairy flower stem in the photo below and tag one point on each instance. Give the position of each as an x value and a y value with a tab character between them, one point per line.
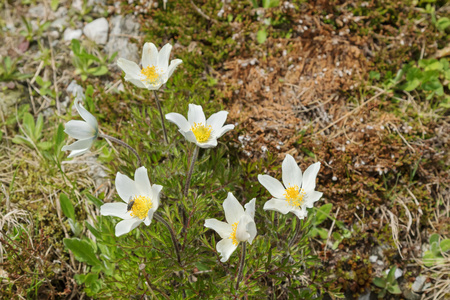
113	139
241	266
191	170
172	235
298	228
158	104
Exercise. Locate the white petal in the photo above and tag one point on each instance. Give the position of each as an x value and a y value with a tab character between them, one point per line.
233	209
126	188
223	130
309	177
189	135
79	130
278	205
250	208
179	120
300	213
136	82
76	152
196	115
222	228
79	145
142	182
130	68
312	197
217	120
117	209
87	116
211	143
292	175
126	226
251	229
163	56
173	65
274	187
225	247
149	217
241	231
156	190
149	55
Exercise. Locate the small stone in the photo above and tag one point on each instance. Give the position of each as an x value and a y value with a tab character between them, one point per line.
373	258
59	23
365	296
72	34
37	11
77	5
418	284
119	38
97	31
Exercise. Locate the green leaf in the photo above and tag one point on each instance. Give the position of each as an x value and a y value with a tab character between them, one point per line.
394	289
322	213
54	4
102	70
410	85
93	230
391	275
83	251
94	200
75	227
323	233
445	245
45	145
374	75
442	23
261	36
434	238
59	136
28	124
379	282
67	206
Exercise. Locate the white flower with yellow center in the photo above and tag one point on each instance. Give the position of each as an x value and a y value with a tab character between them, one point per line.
85	131
298	192
141	200
155	67
240	226
197	129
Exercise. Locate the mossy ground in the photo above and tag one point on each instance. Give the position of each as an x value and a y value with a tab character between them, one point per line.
383	152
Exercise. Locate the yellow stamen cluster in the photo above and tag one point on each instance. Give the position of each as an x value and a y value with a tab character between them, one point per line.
150	74
295	196
201	132
233	234
141	206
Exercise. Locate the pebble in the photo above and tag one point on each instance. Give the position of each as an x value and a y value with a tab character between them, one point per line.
419	283
119	38
97	31
72	34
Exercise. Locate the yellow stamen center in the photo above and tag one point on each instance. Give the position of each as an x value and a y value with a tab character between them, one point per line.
141	206
151	74
233	234
295	196
201	132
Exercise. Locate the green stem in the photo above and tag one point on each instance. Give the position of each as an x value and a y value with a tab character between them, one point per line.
166	140
241	266
113	139
172	235
191	170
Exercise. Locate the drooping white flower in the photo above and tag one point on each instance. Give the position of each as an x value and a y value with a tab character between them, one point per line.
298	192
85	131
197	129
155	67
240	226
140	201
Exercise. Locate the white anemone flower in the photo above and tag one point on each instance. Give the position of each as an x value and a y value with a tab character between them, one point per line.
196	129
85	131
298	192
155	67
240	226
140	201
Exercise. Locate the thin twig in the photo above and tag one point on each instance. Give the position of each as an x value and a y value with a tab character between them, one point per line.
172	235
100	135
201	13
